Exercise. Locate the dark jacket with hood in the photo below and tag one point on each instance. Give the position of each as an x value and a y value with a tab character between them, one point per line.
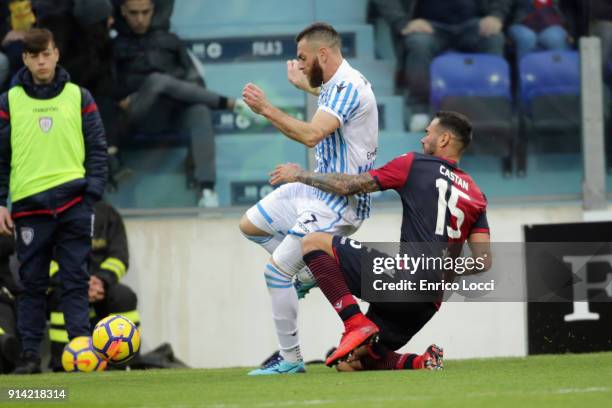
156	51
55	199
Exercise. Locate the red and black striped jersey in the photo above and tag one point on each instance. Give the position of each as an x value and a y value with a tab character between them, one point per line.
441	203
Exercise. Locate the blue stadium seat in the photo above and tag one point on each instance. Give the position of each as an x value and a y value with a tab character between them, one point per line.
466	75
550	99
549	73
478	85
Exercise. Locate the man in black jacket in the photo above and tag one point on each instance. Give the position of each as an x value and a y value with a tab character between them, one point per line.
161	90
425	29
53	158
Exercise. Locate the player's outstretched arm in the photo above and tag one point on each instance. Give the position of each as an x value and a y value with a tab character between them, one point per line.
336	183
309	134
299	80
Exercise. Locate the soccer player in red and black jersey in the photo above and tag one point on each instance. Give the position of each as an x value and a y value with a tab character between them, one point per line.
441	204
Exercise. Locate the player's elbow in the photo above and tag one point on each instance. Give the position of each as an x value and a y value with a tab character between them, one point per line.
311	141
313	137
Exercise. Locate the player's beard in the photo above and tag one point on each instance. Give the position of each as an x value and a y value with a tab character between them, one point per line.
316	74
428	149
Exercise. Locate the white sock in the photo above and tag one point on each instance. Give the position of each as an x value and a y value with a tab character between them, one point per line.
268	242
284	312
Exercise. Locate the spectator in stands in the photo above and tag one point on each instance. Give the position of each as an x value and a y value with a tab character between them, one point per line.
160	20
160	89
54	15
57	17
16	17
109	262
427	28
537	25
90	64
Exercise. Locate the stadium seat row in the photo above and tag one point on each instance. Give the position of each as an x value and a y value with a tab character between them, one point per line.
479	85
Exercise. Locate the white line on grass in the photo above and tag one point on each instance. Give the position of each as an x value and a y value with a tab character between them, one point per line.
409	398
316	402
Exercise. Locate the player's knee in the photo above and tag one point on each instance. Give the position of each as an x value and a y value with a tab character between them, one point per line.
317	241
246	226
288	255
248	229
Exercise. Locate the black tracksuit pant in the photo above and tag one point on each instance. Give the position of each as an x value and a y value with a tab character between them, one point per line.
65	237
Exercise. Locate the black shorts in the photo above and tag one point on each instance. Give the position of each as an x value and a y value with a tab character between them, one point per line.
398	321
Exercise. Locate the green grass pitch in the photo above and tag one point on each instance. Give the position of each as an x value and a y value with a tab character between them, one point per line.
543	381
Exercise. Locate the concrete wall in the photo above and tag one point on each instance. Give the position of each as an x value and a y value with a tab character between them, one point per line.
201	288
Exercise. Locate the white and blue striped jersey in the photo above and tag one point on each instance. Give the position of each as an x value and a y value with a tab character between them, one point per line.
352	147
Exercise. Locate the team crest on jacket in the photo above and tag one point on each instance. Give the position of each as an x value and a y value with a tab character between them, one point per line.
27	235
45	123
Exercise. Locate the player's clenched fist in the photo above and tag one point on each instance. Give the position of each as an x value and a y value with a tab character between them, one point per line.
255	98
285	173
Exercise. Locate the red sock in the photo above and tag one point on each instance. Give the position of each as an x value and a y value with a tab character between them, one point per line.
381	358
417	362
390	361
331	281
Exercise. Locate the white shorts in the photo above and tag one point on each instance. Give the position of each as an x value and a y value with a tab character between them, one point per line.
293	209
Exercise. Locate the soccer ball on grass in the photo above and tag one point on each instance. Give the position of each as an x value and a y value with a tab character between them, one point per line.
80	356
116	339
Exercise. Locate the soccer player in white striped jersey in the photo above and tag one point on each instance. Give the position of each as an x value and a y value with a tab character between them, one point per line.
344	133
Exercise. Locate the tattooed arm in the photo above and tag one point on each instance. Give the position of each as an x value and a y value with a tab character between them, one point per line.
336	183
